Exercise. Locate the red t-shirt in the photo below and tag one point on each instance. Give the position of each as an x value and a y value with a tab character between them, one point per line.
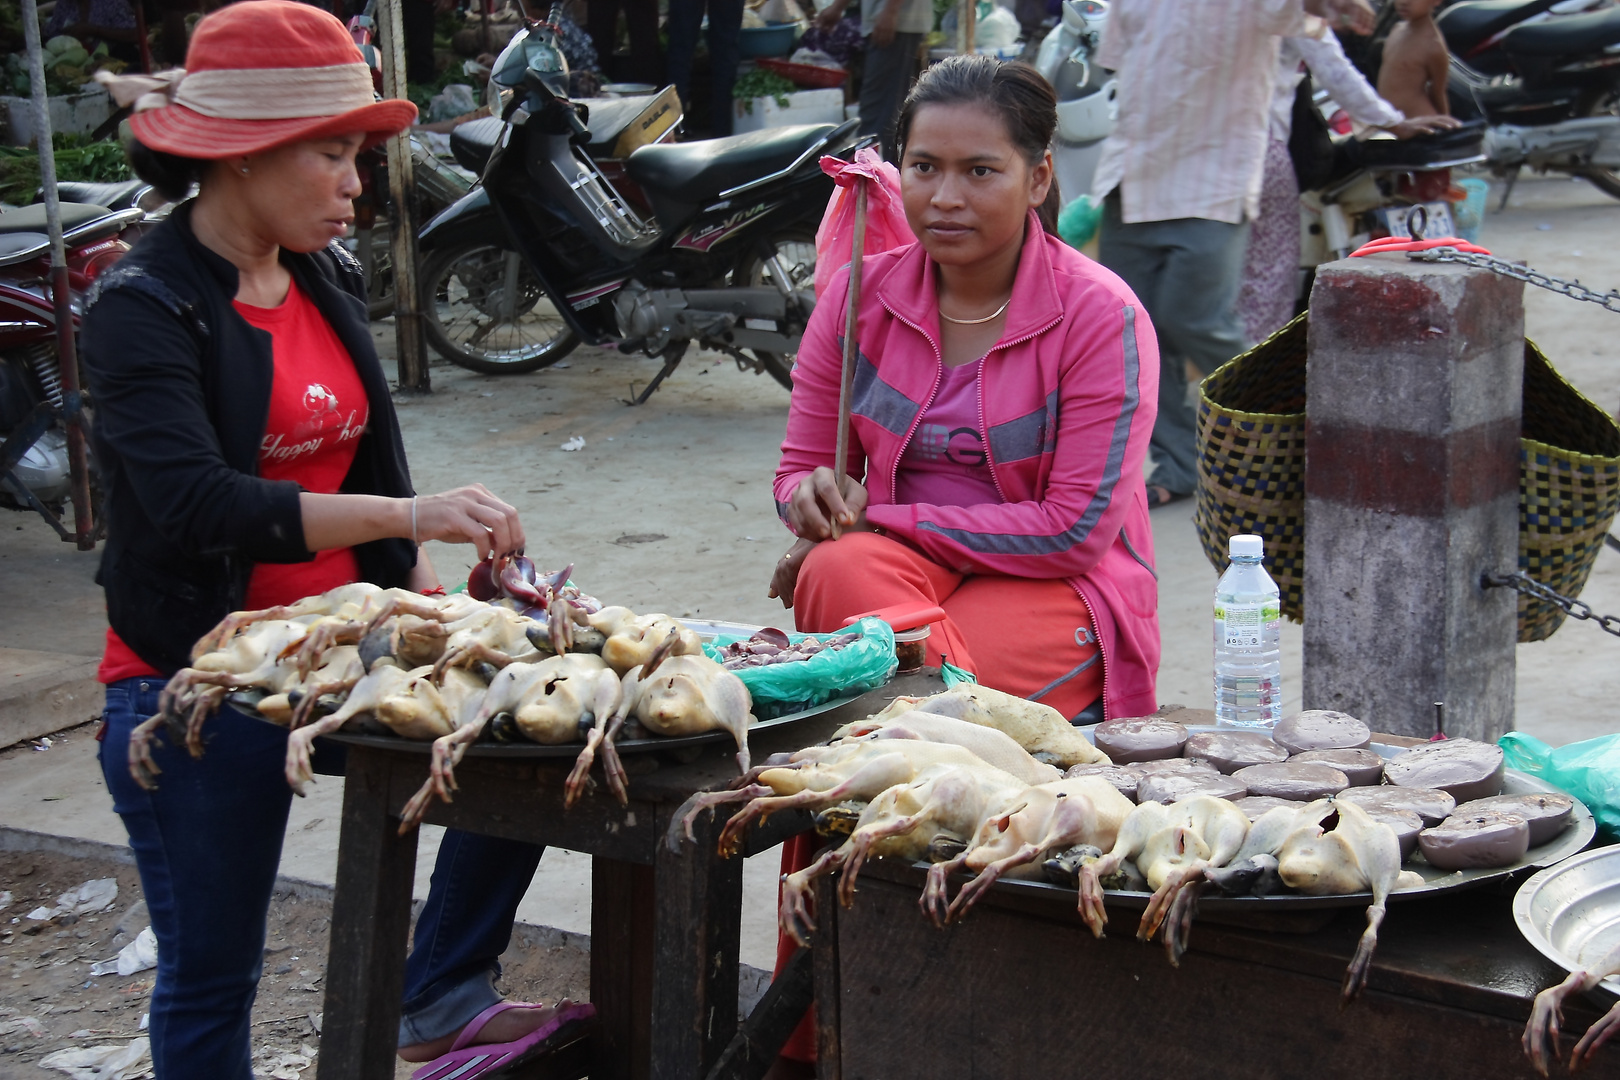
318	411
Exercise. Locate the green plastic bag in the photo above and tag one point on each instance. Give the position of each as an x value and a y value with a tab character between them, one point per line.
1078	221
779	689
1588	770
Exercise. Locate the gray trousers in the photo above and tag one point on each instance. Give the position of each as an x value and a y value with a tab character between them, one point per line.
886	76
1187	273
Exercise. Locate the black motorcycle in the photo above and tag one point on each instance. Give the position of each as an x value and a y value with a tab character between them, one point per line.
1545	78
548	251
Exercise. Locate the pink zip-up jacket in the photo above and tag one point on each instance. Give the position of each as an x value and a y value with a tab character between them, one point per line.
1067	400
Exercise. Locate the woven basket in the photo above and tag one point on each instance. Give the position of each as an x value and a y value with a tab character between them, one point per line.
1251	473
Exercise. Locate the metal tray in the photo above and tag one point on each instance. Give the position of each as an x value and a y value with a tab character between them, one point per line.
1573	839
525	749
1570	912
707	630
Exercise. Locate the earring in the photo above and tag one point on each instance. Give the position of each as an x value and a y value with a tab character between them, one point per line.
244	170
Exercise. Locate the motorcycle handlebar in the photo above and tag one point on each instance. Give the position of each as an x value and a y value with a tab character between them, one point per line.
580	133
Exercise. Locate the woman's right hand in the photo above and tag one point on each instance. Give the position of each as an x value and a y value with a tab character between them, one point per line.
470	515
820	511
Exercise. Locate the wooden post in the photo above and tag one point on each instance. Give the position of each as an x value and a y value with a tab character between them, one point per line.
967	26
1411	493
61	292
412	346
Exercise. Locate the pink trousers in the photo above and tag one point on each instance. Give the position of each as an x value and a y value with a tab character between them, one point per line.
1030	637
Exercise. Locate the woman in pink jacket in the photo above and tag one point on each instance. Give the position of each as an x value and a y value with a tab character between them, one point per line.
1004	393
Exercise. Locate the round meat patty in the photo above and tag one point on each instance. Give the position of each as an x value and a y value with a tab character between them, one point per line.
1430	804
1230	751
1177	766
1140	738
1123	777
1363	767
1301	782
1176	787
1484	839
1320	729
1407	826
1463	768
1548	812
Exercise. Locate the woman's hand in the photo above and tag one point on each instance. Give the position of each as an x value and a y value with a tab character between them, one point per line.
470	515
1423	125
786	575
820	511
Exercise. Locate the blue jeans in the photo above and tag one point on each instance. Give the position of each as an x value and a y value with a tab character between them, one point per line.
207	844
1187	273
725	22
464	927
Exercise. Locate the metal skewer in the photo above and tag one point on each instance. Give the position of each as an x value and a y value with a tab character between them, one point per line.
851	347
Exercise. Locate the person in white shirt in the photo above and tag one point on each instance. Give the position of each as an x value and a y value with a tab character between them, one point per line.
1180	180
1270	289
894	32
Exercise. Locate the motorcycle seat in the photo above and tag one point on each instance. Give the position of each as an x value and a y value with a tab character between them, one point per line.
117	196
19	243
31	219
1567	35
696	171
472	143
1466	26
1442	149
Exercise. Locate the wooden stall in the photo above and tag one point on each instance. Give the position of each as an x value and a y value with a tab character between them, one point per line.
1021	989
664	925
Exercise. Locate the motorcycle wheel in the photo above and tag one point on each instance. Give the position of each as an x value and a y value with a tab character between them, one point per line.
1605	180
485	311
796	248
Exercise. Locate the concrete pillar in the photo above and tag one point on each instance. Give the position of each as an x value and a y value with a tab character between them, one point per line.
1411	491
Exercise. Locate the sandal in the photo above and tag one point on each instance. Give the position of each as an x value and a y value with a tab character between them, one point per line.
464	1061
1159	495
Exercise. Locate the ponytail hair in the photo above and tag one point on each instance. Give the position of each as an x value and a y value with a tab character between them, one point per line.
1012	90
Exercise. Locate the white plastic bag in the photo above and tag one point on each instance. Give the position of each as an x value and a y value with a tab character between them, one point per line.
138	955
131	1061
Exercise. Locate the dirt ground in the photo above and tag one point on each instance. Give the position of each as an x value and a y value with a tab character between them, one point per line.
49	1000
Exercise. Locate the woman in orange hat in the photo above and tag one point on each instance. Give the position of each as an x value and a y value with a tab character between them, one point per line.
251	457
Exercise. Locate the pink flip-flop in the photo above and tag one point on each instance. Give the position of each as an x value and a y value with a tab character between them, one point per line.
464	1061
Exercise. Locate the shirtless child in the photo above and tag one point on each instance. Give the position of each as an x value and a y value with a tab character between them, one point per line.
1413	75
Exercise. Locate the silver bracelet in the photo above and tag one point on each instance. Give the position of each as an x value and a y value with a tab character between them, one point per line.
414	541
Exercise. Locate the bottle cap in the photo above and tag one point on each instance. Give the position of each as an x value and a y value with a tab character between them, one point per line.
1246	546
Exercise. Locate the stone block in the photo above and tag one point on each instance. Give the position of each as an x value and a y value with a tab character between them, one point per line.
1414	387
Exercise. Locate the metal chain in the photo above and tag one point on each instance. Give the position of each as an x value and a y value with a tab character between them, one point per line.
1608	300
1575	609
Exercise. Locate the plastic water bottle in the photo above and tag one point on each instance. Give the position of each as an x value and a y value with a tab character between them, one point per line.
1248	640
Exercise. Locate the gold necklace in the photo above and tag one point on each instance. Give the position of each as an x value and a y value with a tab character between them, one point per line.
978	322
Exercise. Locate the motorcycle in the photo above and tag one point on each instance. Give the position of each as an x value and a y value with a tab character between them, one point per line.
1545	77
1087	93
34	469
548	251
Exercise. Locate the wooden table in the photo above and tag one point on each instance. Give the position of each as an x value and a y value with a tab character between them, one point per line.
664	926
1021	989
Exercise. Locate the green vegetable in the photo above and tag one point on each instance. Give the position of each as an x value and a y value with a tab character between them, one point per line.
76	159
761	83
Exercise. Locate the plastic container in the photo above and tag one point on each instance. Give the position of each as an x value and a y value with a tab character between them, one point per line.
911	649
1248	640
803	107
774	40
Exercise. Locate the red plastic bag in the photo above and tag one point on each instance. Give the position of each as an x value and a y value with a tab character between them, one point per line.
886	227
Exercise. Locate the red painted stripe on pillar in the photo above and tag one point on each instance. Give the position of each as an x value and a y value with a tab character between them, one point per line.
1397	472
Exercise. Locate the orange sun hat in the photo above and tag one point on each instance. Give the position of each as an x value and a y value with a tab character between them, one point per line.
259	74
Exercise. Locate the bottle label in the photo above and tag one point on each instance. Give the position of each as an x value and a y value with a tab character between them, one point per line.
1246	623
